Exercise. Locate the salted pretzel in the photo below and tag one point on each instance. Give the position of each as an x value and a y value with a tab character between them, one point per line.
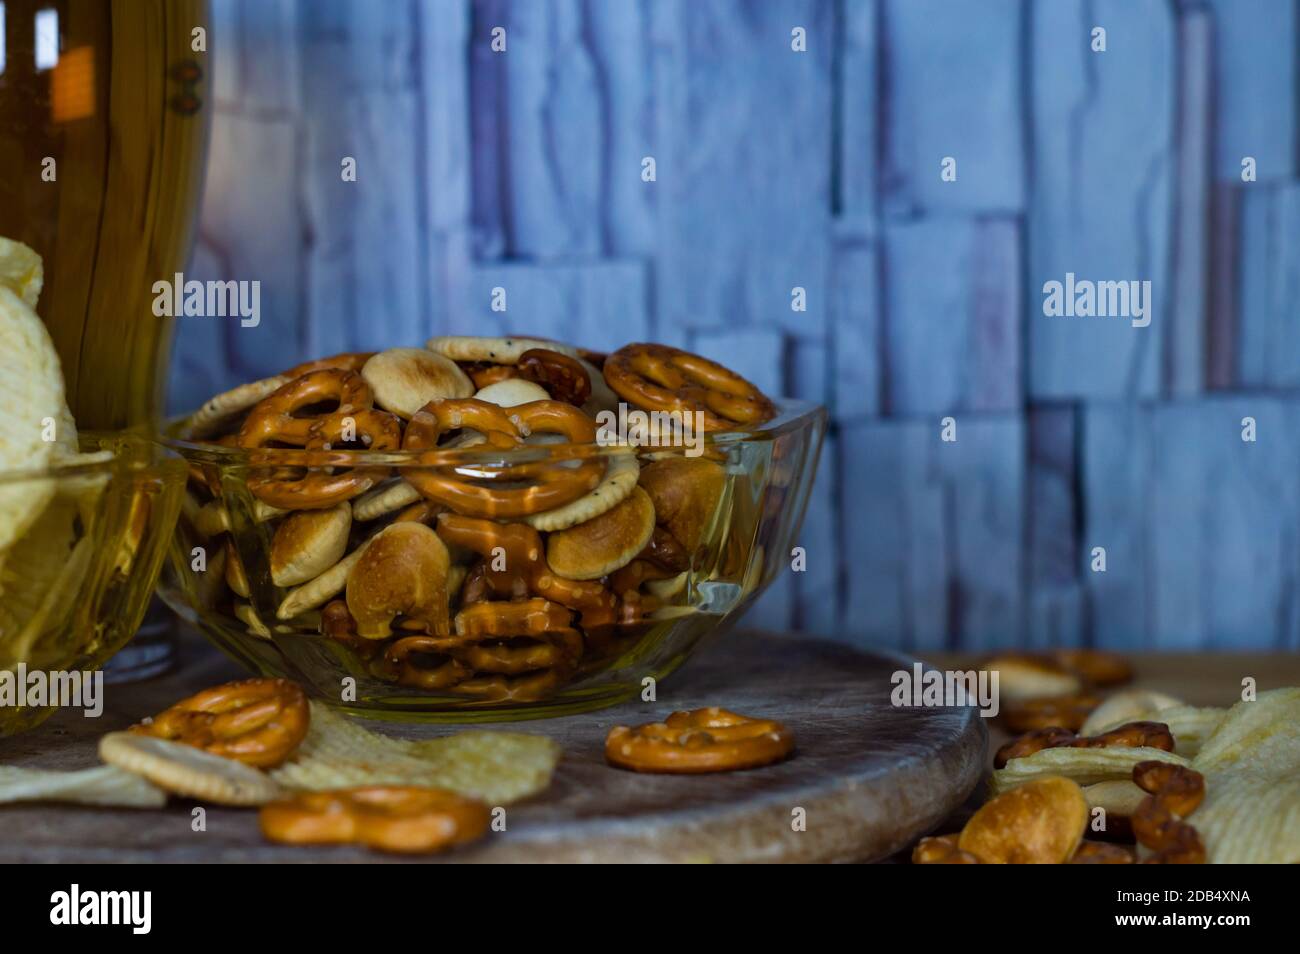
337	622
485	373
704	740
347	361
255	721
941	850
549	484
661	378
564	378
279	419
524	571
398	818
661	559
533	617
420	662
1154	735
529	687
1065	712
1175	791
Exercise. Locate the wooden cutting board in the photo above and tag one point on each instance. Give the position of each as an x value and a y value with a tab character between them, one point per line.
869	778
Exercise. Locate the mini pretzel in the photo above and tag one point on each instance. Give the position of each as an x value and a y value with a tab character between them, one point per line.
525	571
550	484
1155	735
1065	712
941	850
419	661
1176	792
399	818
347	361
256	721
661	559
705	740
661	378
275	420
564	378
526	688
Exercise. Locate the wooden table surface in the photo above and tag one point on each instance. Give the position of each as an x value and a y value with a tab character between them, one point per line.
808	682
868	777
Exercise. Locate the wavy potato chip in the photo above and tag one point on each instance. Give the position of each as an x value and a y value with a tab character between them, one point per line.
1083	766
31	394
495	767
101	785
21	271
1251	764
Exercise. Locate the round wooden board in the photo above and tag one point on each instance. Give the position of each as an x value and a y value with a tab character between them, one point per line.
869	777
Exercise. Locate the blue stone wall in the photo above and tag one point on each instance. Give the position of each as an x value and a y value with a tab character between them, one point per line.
821	169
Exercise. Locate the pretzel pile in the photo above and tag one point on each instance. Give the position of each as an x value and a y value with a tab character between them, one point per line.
489	562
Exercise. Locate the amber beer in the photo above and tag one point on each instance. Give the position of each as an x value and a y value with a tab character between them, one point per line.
103	128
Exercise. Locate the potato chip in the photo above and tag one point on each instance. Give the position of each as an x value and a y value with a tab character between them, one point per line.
495	767
101	785
1084	766
1263	736
31	397
1251	764
21	271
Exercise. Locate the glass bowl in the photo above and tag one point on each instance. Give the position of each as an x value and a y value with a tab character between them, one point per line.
75	584
743	504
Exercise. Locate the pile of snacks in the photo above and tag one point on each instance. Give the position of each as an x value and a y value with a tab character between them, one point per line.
1130	768
319	779
497	580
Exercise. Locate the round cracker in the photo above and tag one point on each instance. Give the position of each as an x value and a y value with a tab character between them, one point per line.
495	350
187	771
512	392
383	500
404	380
603	544
321	590
221	410
620	477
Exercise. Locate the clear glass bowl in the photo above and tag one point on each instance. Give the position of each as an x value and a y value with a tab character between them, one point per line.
75	584
761	480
